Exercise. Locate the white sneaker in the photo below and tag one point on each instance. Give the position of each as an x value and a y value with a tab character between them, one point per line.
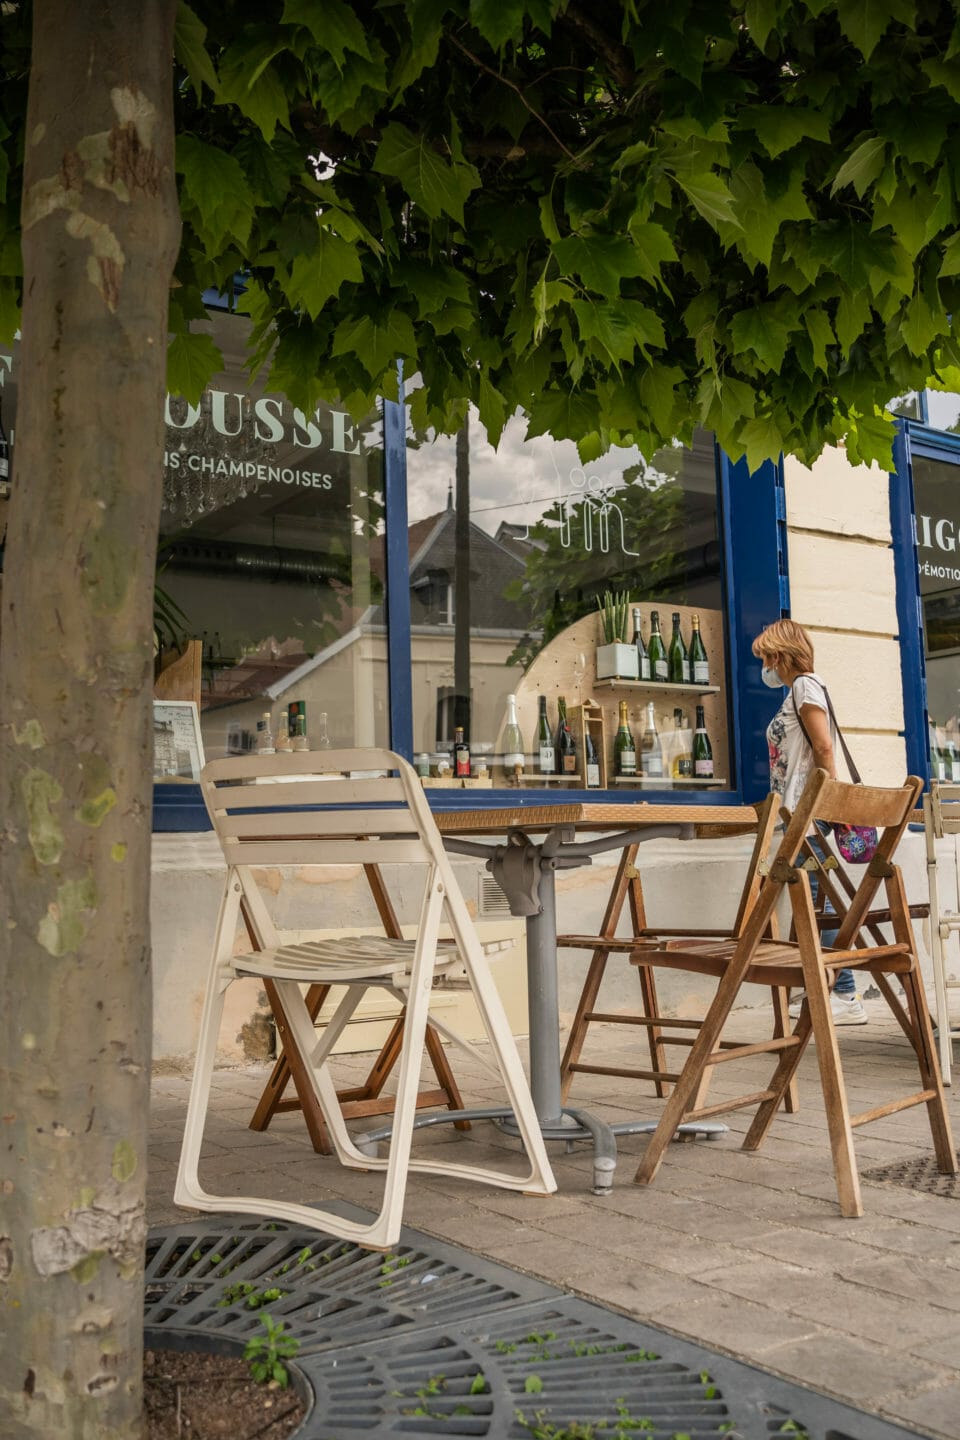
847	1010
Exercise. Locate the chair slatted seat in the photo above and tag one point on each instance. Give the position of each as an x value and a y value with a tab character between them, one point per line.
660	1031
285	835
803	963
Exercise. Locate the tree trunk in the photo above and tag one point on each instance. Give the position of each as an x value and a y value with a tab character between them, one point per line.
100	234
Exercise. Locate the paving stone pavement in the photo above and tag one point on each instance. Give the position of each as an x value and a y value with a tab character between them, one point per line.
745	1253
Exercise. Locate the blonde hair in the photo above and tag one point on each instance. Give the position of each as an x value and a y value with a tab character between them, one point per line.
787	638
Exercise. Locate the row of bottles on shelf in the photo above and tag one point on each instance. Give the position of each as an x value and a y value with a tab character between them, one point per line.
673	664
676	754
291	731
671	754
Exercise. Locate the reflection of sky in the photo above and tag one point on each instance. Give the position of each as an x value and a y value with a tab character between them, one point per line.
943	409
516	482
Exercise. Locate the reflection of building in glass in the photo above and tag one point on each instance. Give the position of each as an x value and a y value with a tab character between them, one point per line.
165	749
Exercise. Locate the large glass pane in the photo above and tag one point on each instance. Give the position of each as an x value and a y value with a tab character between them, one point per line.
272	553
943	409
510	551
938	546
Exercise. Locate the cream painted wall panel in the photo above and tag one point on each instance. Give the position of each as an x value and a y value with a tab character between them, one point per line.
836	497
881	759
862	673
842	582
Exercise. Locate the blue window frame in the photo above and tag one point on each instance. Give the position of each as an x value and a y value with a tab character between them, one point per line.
914	442
755	592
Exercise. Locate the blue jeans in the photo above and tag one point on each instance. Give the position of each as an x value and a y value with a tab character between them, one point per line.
844	985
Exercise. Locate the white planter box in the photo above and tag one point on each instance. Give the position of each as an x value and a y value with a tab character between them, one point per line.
618	662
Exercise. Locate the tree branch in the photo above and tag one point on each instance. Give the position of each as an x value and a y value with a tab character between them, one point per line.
516	89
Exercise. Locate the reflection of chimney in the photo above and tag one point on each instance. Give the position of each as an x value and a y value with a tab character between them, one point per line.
450	494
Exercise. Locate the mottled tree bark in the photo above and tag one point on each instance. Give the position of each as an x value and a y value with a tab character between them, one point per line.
100	233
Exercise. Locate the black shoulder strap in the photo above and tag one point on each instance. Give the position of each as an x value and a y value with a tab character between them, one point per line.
851	766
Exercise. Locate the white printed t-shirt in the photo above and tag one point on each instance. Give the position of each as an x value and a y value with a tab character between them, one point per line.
791	758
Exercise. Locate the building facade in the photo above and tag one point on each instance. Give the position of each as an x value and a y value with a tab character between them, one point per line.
392	585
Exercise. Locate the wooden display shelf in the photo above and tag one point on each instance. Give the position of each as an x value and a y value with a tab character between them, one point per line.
534	777
656	686
666	783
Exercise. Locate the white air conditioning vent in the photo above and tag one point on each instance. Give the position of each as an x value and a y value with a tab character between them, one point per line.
490	898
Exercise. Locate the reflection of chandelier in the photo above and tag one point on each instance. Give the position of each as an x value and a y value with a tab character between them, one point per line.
189	493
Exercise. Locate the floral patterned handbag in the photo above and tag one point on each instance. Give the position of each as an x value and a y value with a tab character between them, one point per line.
857	844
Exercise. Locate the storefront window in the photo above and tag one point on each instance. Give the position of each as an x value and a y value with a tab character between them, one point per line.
271	558
938	552
510	551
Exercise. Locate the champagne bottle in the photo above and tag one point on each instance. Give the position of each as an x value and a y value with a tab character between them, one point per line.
702	749
461	755
651	756
512	742
591	760
699	664
683	767
546	756
624	750
659	669
643	659
564	744
678	661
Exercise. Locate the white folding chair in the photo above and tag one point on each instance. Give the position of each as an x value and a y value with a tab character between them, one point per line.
941	816
325	817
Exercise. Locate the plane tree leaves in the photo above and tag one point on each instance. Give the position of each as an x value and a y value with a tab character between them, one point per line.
623	220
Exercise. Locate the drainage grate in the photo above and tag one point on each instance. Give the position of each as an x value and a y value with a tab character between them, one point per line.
919	1174
214	1277
432	1341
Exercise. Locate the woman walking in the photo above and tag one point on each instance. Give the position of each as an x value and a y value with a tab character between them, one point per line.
802	737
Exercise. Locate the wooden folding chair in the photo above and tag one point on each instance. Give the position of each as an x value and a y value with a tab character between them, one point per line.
941	816
835	890
366	1098
751	959
327	818
661	1031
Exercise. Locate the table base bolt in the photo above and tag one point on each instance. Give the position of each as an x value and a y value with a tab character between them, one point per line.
603	1168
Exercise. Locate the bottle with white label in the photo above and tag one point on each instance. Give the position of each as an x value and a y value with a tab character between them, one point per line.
651	755
643	659
545	753
702	749
512	743
265	745
624	750
698	655
4	461
591	760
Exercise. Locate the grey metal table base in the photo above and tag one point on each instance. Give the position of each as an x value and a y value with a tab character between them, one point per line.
525	870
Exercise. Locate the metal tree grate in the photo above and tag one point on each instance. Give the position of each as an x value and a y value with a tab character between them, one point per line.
214	1277
429	1340
919	1174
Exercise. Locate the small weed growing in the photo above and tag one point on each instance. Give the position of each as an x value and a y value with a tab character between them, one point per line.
265	1354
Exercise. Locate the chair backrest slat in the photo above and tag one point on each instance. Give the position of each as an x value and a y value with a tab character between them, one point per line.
944	808
842	803
274	792
316	823
340	851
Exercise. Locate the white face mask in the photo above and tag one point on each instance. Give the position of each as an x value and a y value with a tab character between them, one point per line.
771	678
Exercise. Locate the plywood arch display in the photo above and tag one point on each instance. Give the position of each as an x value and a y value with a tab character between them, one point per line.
567	666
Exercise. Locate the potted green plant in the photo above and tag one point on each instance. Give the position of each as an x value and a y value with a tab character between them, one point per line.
616	659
